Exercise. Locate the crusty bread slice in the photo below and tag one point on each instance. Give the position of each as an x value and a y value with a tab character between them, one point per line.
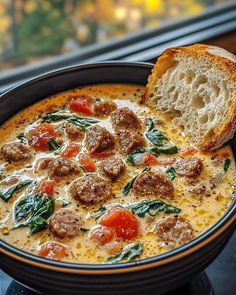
196	87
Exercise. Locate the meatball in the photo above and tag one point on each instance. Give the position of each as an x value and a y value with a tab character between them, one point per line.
65	223
129	141
189	167
91	189
112	167
174	231
104	108
61	167
153	184
99	139
124	118
15	152
74	132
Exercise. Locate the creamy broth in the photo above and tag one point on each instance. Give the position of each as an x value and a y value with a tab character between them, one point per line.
201	210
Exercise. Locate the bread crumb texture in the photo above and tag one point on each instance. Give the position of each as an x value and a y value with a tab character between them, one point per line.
195	86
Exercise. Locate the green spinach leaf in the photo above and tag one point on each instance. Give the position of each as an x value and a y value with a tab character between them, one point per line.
129	253
14	189
22	138
157	138
227	164
126	189
171	173
83	123
53	145
152	208
33	211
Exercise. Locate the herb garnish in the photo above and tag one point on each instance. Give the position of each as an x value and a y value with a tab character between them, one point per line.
34	210
126	189
227	164
157	138
129	253
53	145
15	188
152	208
83	123
171	173
22	138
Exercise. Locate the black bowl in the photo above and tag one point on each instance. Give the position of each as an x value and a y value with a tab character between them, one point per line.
157	274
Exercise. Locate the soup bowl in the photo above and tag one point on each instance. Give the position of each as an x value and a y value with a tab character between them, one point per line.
157	274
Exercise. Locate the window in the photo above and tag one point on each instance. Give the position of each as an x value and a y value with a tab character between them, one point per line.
38	35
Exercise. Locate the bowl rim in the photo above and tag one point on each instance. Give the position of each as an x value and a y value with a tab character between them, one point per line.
227	220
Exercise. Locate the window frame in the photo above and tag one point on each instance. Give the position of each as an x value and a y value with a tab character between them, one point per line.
141	46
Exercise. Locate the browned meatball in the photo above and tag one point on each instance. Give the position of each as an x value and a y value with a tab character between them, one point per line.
61	167
129	141
124	118
104	108
153	184
112	167
99	139
91	189
74	132
174	231
65	223
15	152
189	167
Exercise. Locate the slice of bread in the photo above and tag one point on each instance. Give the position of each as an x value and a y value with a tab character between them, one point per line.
195	86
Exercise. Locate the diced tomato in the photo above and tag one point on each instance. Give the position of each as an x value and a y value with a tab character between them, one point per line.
189	151
102	235
101	155
122	221
71	151
82	104
87	163
151	160
46	187
53	250
39	136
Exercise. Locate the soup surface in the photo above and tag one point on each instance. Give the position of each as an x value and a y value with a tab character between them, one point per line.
93	176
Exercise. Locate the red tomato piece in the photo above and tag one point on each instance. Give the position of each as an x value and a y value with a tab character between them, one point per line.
189	151
53	250
102	235
87	163
82	104
150	160
46	187
122	221
101	155
71	151
39	136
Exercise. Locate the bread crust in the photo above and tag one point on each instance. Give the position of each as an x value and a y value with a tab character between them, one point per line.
221	59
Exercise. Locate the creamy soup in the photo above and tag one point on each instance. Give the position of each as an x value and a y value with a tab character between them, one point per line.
93	176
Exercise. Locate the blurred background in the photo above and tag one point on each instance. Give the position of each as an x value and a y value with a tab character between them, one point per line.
35	30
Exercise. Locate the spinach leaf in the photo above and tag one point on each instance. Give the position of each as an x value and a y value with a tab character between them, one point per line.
171	173
129	253
126	189
83	123
22	138
227	164
55	117
53	145
34	210
152	208
101	211
157	138
85	230
15	188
